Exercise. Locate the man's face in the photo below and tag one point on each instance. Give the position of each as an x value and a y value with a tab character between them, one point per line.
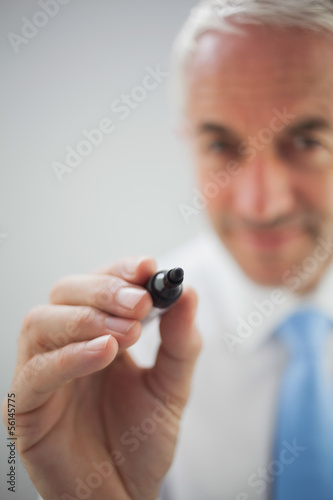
260	113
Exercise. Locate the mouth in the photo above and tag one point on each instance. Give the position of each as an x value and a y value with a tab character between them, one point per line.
269	239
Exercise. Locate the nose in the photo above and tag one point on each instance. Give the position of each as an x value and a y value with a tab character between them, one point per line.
263	191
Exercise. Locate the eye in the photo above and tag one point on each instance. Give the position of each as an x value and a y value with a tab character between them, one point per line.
218	146
306	152
305	143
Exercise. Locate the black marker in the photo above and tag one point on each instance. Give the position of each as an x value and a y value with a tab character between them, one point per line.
165	288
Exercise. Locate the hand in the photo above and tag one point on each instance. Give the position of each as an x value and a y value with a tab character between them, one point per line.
90	423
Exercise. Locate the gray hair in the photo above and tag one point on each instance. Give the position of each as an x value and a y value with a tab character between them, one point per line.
221	16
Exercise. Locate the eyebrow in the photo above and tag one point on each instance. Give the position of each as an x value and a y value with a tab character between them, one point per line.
305	125
210	127
309	124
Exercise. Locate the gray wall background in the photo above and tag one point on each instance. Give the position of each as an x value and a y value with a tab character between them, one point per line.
122	199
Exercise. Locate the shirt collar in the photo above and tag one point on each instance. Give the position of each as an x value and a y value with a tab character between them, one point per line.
255	311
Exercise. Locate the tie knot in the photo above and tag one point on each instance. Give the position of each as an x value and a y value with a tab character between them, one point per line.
305	332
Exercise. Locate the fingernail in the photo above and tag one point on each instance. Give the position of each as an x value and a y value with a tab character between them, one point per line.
131	265
129	297
118	324
98	344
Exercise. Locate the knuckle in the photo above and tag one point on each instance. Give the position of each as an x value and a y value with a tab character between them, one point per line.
104	296
55	291
40	363
57	339
60	360
83	316
176	404
61	364
32	368
31	318
25	375
56	288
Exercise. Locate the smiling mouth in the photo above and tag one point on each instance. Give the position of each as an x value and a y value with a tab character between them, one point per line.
269	239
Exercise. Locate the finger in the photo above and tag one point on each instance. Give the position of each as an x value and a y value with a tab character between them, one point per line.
110	294
49	327
136	270
44	373
170	377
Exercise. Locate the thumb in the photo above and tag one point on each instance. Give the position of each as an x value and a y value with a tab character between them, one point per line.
170	377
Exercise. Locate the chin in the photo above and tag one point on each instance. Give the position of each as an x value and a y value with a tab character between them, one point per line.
264	275
266	271
272	267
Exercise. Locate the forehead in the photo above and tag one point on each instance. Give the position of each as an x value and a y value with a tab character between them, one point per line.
263	69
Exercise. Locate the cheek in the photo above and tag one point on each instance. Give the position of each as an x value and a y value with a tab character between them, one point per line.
317	193
216	187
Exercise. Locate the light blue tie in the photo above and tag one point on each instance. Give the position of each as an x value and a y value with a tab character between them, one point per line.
303	447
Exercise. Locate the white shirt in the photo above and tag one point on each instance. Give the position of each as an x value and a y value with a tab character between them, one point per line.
226	434
228	426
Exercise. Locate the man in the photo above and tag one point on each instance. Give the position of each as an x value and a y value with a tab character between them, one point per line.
256	81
